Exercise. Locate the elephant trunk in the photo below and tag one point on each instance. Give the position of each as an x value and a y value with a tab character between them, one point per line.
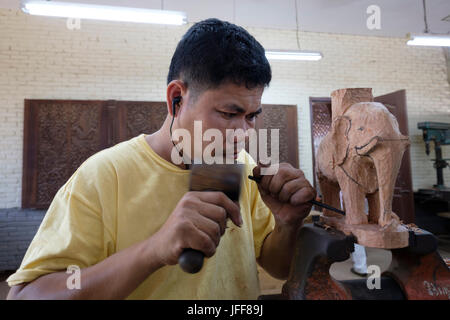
387	163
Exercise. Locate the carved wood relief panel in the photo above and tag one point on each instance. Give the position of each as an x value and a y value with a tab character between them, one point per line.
60	134
284	118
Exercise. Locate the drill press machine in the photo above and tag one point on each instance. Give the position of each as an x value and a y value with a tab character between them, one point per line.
439	133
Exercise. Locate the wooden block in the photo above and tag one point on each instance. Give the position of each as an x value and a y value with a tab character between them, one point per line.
360	159
372	235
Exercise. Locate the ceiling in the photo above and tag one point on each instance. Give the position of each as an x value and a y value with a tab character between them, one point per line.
398	17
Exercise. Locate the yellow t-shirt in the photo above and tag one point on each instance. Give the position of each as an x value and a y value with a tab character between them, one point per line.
123	195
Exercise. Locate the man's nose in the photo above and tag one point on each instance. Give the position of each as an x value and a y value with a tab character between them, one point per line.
243	124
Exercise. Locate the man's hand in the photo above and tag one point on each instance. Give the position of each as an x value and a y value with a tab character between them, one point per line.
198	222
286	194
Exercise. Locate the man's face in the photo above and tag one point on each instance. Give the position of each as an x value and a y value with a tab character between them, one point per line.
227	107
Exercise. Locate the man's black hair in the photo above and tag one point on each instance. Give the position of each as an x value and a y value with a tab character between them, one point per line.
213	52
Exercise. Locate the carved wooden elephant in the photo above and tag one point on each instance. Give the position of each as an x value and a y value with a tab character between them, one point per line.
361	156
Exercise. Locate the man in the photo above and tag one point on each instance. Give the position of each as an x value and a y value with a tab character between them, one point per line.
125	215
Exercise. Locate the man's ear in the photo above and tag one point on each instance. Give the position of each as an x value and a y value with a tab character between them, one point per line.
176	89
339	136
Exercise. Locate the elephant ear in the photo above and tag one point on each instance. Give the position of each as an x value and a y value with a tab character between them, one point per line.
339	131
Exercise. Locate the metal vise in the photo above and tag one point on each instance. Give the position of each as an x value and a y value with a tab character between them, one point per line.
417	272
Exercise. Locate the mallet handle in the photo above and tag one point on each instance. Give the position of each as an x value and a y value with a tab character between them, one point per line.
191	260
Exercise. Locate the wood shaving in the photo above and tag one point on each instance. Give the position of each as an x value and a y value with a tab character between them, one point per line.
327	226
413	227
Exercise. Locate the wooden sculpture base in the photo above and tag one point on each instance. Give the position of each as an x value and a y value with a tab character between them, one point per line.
371	235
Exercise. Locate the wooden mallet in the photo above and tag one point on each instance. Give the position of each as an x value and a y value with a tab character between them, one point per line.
226	178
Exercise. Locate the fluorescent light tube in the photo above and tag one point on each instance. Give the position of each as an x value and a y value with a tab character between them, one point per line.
293	55
100	12
429	40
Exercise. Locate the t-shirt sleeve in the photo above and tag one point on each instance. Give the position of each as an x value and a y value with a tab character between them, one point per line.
73	231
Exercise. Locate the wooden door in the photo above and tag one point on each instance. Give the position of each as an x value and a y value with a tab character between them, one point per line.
283	118
403	198
320	117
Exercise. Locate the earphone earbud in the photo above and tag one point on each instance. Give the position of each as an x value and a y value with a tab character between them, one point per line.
175	101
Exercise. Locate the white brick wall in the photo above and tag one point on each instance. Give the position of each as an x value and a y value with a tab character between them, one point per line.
41	59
